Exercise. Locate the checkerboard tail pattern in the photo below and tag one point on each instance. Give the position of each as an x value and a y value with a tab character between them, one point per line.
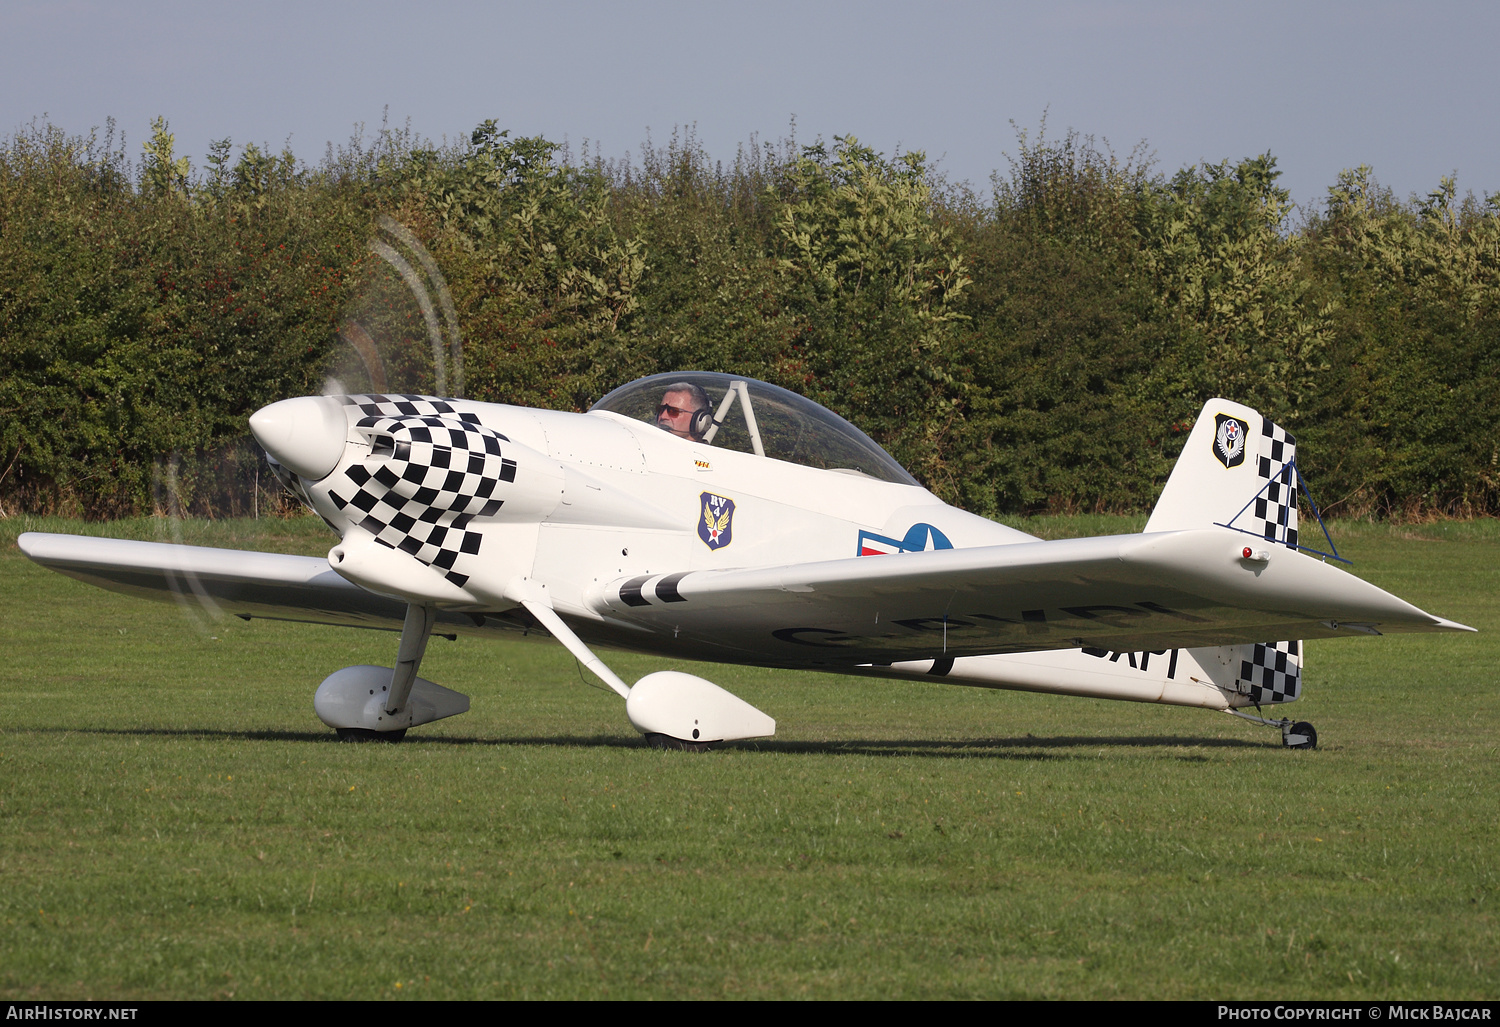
431	471
1275	509
1271	672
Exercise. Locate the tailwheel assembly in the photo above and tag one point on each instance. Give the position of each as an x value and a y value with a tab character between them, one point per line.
1294	734
1299	735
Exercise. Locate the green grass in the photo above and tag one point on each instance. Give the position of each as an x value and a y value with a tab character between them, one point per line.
175	822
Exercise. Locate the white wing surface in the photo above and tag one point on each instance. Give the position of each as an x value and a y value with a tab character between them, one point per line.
1165	590
247	584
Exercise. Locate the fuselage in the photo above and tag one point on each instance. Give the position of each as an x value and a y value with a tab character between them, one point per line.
593	498
604	528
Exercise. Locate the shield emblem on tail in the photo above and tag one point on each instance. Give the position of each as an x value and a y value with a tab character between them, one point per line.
1229	440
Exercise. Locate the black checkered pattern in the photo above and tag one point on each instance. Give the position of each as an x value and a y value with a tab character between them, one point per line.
404	406
430	472
1275	509
1271	672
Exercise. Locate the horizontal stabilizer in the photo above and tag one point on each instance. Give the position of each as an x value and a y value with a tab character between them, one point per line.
1167	590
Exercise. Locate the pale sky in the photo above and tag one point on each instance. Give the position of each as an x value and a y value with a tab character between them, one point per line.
1406	88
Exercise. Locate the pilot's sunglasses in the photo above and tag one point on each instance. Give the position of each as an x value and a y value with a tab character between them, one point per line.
669	409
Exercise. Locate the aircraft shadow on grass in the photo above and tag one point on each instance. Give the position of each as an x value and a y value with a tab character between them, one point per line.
1021	748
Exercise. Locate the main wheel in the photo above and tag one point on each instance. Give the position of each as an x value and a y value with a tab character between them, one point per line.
364	734
659	741
1300	736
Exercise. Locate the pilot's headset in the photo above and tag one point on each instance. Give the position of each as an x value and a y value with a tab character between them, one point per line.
703	417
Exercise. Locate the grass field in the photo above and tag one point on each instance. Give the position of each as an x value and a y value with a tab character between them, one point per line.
176	823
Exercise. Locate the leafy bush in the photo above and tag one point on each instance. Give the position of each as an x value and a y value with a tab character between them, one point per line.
1044	351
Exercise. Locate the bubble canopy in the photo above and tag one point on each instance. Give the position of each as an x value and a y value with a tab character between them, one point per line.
751	416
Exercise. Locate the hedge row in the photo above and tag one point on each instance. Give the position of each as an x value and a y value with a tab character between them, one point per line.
1042	349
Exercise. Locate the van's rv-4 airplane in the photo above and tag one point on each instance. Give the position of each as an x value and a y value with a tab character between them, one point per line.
744	534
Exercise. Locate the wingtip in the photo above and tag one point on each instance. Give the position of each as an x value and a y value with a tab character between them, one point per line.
29	541
1443	624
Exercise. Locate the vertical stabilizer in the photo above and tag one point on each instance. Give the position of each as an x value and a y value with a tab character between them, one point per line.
1237	470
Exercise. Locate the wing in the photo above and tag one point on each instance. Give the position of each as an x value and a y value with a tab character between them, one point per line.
246	584
1166	590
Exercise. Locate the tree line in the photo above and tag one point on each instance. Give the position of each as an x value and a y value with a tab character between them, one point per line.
1043	347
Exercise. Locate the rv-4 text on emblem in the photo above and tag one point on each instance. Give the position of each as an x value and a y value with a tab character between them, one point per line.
717	521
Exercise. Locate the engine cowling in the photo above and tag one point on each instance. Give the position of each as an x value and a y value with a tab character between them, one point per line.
418	479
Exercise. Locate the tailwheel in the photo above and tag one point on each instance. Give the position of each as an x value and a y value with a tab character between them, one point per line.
1294	735
363	734
660	741
1299	736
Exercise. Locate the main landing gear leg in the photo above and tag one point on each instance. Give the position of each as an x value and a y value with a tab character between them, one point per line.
672	709
367	704
1294	734
415	632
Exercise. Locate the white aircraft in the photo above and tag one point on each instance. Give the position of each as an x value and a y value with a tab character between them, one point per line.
744	534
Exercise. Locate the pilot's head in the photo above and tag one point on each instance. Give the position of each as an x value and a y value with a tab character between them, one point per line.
683	411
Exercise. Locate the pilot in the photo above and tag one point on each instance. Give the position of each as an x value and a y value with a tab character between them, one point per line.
684	412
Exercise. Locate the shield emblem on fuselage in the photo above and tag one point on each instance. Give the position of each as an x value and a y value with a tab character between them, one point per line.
716	520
